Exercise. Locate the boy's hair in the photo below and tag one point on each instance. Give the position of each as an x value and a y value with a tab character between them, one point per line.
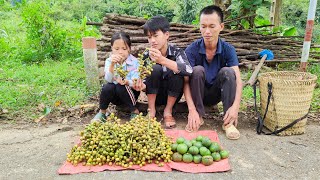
121	35
213	9
156	23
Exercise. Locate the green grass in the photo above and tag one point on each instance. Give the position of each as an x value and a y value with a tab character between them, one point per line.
248	98
24	87
315	104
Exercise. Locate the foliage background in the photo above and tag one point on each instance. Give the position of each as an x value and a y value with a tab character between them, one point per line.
36	30
40	41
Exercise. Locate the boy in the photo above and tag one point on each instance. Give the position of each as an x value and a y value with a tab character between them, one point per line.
165	84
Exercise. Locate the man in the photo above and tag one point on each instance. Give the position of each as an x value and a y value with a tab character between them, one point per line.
165	84
216	75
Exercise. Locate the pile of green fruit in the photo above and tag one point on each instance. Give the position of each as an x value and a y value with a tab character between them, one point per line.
198	150
137	142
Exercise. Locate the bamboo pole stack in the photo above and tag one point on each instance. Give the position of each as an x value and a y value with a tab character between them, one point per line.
247	43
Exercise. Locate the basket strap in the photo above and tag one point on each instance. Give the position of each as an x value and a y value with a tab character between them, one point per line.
261	120
288	126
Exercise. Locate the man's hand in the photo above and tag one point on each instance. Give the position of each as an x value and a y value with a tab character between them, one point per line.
156	56
231	116
116	58
193	121
138	85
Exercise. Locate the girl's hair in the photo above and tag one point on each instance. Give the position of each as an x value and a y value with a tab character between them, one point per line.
121	35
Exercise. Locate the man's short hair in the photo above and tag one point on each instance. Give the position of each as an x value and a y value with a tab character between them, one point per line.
213	9
156	23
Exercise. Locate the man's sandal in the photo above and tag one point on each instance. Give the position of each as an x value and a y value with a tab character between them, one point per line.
169	122
231	131
201	121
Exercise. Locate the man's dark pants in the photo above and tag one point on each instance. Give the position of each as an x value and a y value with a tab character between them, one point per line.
223	89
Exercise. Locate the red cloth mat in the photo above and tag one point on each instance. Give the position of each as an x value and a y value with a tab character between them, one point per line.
68	168
219	166
223	165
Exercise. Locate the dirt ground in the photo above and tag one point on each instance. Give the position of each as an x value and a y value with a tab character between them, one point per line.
36	151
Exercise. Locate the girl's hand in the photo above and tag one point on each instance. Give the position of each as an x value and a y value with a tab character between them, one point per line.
121	81
116	58
138	85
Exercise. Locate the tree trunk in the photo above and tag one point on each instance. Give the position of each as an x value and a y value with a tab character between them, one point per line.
219	3
275	11
277	21
223	4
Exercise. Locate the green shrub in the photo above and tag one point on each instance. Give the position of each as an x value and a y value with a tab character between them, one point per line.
49	37
45	38
143	8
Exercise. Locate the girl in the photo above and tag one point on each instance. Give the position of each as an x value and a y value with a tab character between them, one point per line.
117	90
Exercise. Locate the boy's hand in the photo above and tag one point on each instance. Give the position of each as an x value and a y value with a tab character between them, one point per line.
156	56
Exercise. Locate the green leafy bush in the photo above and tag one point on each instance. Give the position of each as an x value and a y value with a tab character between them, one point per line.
48	36
187	11
143	8
46	39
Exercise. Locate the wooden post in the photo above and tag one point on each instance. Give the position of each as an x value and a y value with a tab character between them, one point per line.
256	71
308	35
89	46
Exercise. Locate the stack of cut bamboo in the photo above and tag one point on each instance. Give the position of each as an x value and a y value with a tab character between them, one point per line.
247	43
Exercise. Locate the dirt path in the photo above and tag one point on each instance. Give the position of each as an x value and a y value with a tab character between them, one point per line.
30	152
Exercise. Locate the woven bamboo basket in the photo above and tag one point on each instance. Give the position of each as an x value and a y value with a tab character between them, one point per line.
291	99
